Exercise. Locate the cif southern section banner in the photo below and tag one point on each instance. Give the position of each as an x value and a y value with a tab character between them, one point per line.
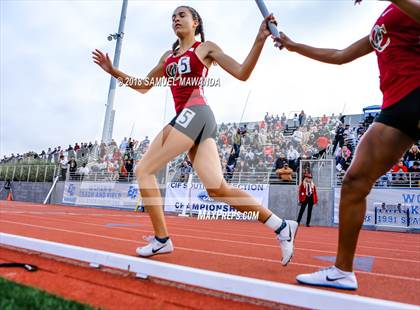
406	197
107	194
179	195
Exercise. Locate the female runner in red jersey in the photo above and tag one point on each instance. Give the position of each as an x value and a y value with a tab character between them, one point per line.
193	128
395	38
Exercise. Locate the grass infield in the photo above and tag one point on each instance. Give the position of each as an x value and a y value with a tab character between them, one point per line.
17	296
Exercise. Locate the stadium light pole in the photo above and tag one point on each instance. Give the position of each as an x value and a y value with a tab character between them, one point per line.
110	112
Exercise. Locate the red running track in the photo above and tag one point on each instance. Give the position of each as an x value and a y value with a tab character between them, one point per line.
235	247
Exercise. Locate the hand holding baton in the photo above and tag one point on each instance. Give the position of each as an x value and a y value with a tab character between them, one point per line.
271	25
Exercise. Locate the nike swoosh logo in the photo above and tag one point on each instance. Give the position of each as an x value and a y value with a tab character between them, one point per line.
156	250
330	280
386	12
290	235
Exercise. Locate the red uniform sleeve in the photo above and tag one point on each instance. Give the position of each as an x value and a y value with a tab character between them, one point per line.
302	194
315	196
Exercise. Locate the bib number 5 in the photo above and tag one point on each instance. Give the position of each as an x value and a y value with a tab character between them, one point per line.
184	65
185	117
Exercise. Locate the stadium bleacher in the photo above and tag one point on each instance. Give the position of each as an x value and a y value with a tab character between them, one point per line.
264	148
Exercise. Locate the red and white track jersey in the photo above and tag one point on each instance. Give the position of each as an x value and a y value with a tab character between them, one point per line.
185	74
396	40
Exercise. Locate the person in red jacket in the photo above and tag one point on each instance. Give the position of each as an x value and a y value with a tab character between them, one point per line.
399	167
307	197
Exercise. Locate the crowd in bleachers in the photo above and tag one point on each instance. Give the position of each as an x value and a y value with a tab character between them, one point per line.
271	147
404	173
269	150
116	162
79	151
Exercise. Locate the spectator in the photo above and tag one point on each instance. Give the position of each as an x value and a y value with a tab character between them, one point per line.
295	121
283	120
346	130
237	142
399	167
344	159
369	119
95	146
415	173
102	151
50	155
42	155
412	155
83	171
302	118
242	167
280	162
117	155
297	136
113	144
250	156
145	142
307	197
7	185
360	130
56	155
349	138
230	165
339	137
415	167
123	170
285	173
185	171
110	169
72	168
266	117
341	118
116	172
123	145
129	166
63	167
322	142
70	151
83	150
400	174
292	156
130	145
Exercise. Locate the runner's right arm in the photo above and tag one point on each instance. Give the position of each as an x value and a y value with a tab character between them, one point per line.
141	85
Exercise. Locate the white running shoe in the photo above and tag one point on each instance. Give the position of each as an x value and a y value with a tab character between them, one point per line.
287	239
330	277
155	247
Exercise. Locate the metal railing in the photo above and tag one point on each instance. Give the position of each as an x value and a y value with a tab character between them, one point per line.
28	173
80	155
323	177
322	171
102	177
397	179
241	177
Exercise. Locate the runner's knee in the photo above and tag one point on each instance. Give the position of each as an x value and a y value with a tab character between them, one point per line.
220	192
143	170
357	183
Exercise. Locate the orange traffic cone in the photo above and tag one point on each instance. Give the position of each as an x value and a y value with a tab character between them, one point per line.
10	196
